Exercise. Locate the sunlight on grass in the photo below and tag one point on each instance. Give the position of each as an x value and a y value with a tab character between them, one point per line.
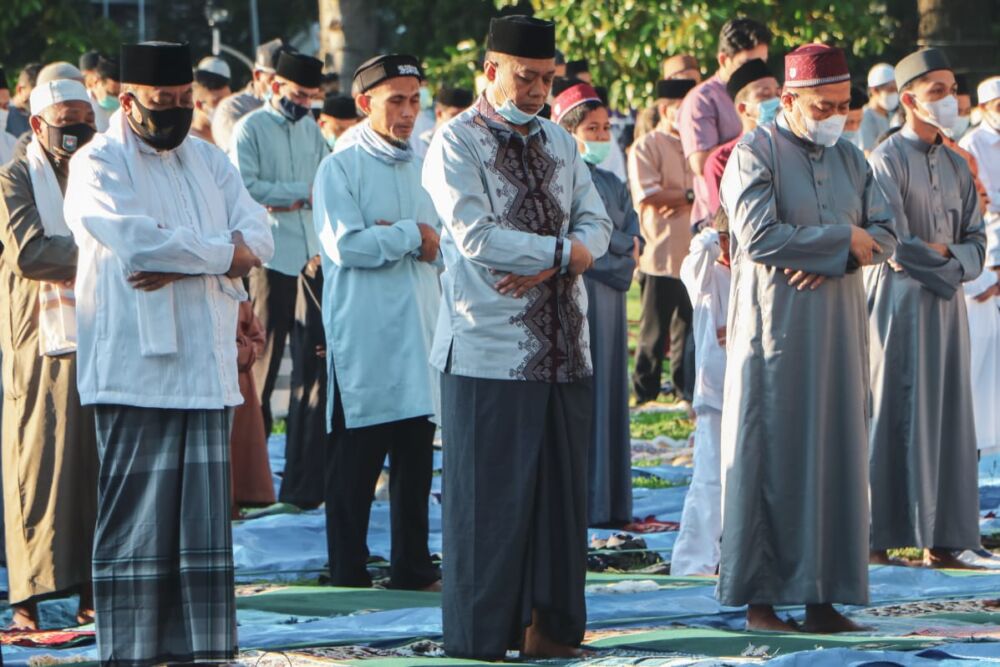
655	482
649	425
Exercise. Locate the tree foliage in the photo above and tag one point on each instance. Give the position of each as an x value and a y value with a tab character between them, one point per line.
626	40
49	30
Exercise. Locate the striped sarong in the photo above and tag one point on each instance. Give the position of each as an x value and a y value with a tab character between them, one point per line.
163	551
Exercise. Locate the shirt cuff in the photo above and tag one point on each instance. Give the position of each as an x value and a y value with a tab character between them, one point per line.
564	246
222	260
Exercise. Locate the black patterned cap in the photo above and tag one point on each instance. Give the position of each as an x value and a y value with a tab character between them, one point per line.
156	64
522	37
374	71
859	98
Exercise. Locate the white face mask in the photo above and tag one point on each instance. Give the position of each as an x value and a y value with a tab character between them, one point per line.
889	102
823	132
992	119
941	113
960	126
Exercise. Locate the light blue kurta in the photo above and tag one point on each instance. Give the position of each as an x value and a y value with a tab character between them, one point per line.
277	160
380	302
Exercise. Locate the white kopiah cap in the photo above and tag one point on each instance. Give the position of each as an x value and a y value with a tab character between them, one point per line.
988	90
214	65
881	74
55	92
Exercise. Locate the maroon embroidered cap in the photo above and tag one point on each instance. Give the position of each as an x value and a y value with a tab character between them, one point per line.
571	98
815	65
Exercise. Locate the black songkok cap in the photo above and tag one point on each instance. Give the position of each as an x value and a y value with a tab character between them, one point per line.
3	80
522	37
300	68
89	60
374	71
859	98
747	73
108	68
673	89
339	106
455	97
156	64
576	67
917	64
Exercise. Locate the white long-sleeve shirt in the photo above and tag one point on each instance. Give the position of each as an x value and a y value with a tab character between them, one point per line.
121	229
707	282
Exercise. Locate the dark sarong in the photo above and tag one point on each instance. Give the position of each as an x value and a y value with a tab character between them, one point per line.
306	441
163	551
514	512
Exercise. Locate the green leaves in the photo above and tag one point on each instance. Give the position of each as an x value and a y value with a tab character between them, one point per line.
626	40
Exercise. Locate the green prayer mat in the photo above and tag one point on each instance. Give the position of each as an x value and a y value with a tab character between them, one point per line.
331	601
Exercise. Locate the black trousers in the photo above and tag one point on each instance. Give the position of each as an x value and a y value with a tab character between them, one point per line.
273	296
354	461
514	512
304	481
666	311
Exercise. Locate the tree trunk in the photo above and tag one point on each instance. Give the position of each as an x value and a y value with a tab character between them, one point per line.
349	34
964	30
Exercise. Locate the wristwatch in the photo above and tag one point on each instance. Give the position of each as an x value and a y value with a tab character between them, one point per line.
690	195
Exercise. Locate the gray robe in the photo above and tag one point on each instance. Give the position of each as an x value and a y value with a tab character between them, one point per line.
794	423
609	493
924	490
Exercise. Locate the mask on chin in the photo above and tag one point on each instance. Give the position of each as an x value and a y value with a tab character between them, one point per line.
511	113
163	129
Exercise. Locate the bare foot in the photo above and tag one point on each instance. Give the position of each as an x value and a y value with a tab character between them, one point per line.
25	616
824	619
762	617
945	559
432	588
85	613
537	645
85	616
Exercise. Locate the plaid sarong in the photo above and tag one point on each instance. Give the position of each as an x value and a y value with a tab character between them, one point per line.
163	553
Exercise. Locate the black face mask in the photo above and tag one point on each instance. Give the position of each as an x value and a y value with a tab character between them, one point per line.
163	129
292	111
63	141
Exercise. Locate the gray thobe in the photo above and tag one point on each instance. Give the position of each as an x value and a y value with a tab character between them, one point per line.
794	423
924	489
609	494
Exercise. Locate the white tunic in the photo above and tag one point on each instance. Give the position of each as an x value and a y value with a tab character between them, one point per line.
134	209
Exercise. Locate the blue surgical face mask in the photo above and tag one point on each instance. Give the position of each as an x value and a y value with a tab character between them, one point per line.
512	114
596	152
331	140
853	136
767	110
426	101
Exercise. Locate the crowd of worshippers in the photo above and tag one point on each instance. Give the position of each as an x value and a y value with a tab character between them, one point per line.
462	261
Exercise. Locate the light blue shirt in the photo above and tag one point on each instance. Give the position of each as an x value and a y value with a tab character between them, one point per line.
510	204
379	302
277	160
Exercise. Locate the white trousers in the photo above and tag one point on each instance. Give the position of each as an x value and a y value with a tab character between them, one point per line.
697	548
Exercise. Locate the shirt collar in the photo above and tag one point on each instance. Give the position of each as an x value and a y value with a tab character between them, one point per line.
275	113
907	133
